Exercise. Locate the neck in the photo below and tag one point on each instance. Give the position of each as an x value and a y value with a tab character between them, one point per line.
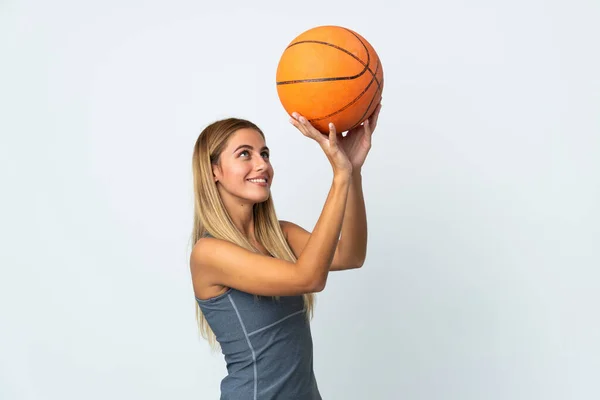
243	218
242	215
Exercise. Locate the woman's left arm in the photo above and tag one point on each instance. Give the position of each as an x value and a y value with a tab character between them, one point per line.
352	247
297	237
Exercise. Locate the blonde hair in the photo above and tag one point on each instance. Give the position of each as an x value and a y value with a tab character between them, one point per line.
210	215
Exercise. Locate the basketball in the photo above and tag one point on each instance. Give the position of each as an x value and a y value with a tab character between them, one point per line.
330	74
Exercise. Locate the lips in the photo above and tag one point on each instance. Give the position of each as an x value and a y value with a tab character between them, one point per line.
259	180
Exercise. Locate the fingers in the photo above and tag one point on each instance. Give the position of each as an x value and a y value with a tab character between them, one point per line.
368	130
333	140
374	117
306	127
295	120
368	126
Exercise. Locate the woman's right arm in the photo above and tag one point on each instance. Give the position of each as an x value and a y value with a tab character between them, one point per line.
218	262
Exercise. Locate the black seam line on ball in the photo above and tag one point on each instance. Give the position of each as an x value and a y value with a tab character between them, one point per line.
341	78
367	65
367	68
368	52
360	120
366	89
378	85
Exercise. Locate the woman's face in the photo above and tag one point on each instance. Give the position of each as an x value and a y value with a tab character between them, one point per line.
244	172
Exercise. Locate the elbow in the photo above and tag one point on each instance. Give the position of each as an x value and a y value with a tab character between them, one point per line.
319	287
316	285
356	263
311	279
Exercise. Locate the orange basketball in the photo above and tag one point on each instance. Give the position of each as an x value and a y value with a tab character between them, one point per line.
330	74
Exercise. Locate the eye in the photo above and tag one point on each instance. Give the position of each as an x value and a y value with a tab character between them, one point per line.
265	154
244	152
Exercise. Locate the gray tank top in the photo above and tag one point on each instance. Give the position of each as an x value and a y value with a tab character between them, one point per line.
267	345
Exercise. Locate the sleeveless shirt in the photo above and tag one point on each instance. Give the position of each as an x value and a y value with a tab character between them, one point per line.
266	343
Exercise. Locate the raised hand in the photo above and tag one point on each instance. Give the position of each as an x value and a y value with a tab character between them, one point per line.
357	142
330	145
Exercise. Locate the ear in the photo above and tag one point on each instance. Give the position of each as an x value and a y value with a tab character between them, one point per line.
216	170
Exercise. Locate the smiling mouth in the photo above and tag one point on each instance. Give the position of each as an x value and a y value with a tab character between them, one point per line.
259	181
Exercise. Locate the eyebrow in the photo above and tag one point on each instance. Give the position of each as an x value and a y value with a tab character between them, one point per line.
247	146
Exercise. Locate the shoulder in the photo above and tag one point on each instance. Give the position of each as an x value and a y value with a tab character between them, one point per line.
206	248
291	229
295	235
205	256
211	253
285	227
206	261
200	257
200	260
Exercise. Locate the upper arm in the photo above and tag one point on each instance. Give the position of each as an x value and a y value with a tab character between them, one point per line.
297	238
218	262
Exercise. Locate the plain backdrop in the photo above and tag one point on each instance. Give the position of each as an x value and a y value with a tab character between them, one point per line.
482	191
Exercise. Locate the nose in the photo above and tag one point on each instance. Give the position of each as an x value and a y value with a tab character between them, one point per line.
260	165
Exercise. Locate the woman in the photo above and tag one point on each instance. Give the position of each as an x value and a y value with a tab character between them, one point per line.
254	276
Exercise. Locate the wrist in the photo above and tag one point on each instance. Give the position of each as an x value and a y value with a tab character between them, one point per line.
343	177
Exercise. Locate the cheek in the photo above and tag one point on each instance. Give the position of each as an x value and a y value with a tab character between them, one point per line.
237	171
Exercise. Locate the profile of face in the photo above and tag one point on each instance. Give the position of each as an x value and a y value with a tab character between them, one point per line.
244	172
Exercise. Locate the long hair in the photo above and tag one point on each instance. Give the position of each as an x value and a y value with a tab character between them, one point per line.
210	215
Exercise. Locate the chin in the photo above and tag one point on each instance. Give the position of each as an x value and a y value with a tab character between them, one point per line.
261	199
253	196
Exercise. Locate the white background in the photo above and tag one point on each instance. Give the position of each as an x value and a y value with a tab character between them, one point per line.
482	192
